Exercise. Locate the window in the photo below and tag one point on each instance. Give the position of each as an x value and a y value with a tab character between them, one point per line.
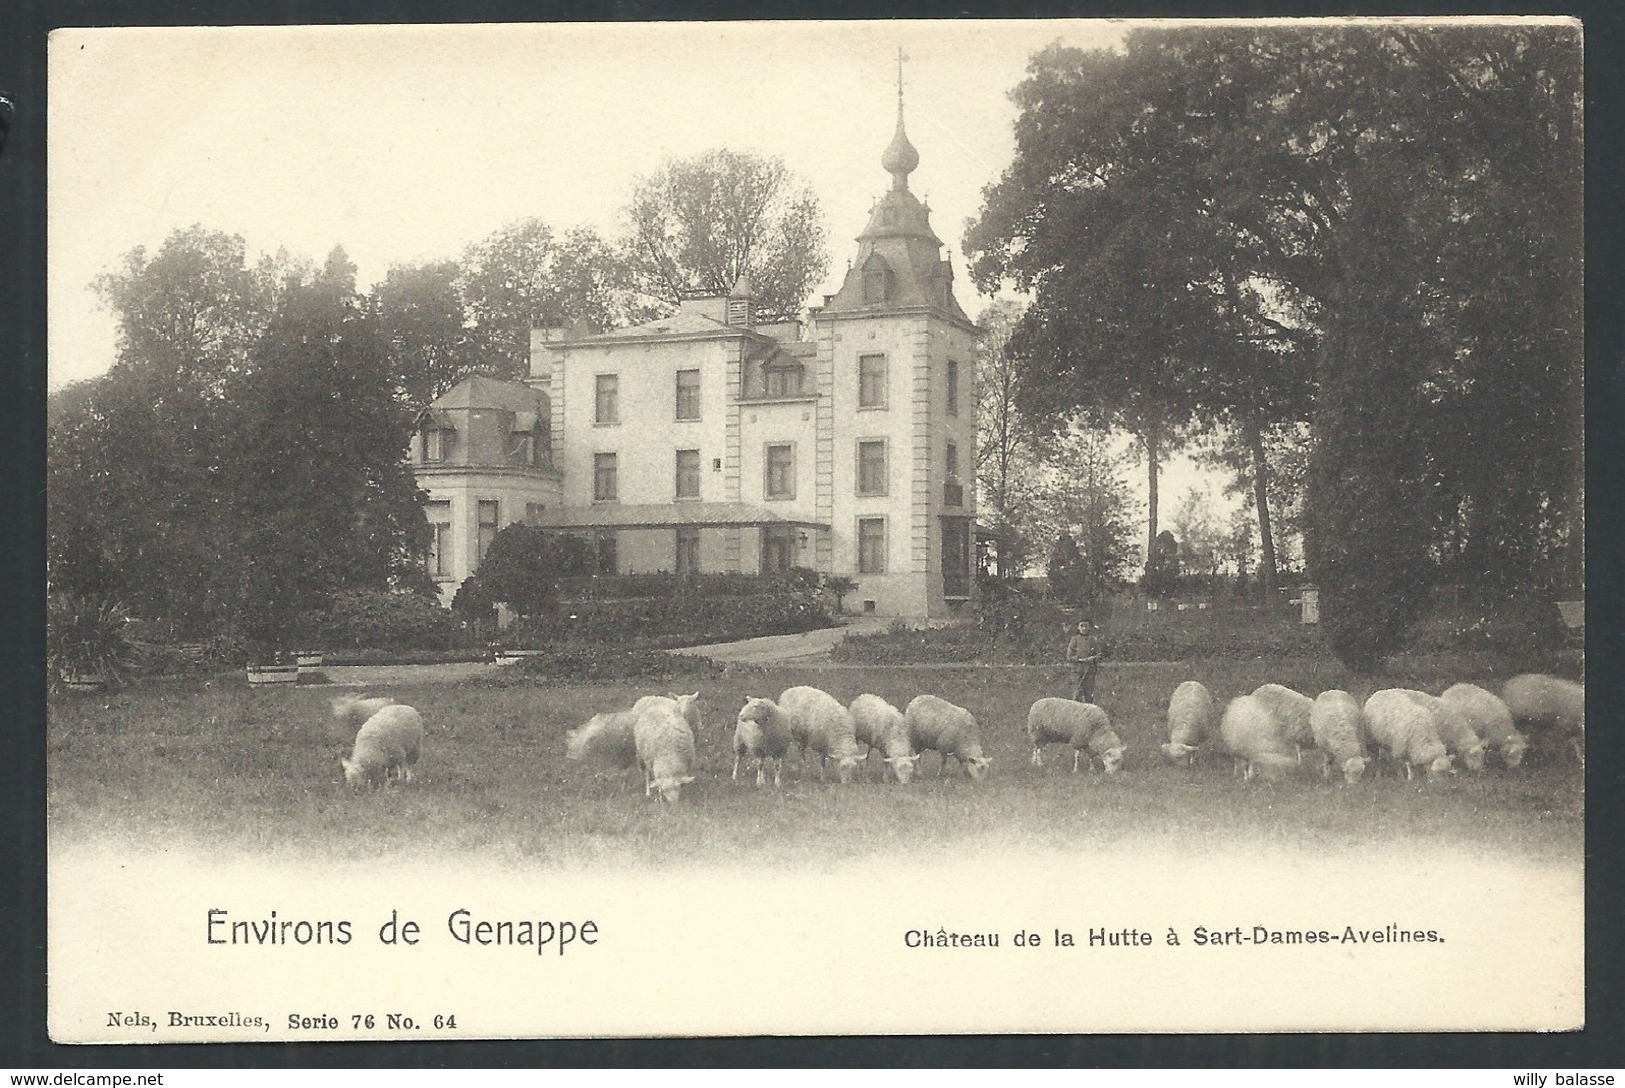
434	445
688	551
871	381
779	480
607	399
604	545
490	512
688	394
879	282
778	549
603	477
953	491
872	467
953	387
688	474
439	560
871	545
781	380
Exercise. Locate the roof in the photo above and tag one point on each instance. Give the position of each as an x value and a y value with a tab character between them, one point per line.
484	391
678	324
668	515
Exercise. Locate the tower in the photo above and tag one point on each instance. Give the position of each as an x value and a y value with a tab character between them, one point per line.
897	354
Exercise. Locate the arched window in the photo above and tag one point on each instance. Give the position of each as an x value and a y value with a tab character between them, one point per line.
879	282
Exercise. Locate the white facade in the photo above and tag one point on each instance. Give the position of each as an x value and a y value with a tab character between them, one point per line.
703	442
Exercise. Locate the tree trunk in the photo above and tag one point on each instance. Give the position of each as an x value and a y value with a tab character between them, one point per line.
1266	539
1153	452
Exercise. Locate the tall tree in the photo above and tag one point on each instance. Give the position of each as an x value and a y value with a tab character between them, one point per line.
698	225
1330	204
1005	453
524	275
1083	495
420	318
322	491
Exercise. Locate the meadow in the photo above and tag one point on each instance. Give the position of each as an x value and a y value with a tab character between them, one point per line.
217	766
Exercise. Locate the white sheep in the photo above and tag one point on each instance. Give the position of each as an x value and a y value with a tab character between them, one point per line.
1453	728
878	724
353	710
1338	726
388	741
1291	709
1084	726
1253	735
1404	731
1490	719
819	723
606	739
1193	718
665	749
762	731
687	705
948	729
1550	704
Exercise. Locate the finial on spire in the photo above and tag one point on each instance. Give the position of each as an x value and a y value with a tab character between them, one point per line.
900	158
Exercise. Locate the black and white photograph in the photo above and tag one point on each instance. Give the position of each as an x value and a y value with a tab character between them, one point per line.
819	528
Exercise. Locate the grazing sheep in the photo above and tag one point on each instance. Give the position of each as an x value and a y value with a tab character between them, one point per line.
1291	709
389	740
1339	730
665	747
1554	705
878	724
354	710
687	705
1490	719
950	730
819	723
1453	728
606	739
1253	735
762	732
1082	725
1193	718
1404	731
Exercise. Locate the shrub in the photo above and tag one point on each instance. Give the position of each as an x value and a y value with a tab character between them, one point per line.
773	608
89	637
380	620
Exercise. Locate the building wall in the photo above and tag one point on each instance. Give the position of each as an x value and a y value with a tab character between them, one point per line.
648	434
916	427
464	489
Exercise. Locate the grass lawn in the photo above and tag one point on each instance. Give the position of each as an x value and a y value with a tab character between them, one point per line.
221	767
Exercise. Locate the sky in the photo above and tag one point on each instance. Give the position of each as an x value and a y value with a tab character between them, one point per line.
407	143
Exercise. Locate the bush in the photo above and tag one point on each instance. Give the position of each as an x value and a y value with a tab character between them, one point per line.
380	620
89	637
773	608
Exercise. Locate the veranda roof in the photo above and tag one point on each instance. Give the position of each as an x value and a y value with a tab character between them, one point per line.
668	515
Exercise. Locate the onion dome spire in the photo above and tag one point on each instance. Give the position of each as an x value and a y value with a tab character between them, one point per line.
899	158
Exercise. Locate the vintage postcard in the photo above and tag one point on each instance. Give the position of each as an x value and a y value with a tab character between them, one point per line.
1116	489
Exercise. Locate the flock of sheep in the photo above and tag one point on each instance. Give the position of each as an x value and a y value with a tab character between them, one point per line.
1268	733
1275	729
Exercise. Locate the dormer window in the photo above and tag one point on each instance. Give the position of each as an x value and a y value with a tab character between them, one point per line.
879	282
438	441
781	379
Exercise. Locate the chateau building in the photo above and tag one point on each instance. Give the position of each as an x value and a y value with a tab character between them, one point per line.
706	441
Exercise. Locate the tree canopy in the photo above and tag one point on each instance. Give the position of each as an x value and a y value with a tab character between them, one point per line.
699	224
1373	228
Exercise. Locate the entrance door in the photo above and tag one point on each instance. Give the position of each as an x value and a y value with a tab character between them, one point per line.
956	557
